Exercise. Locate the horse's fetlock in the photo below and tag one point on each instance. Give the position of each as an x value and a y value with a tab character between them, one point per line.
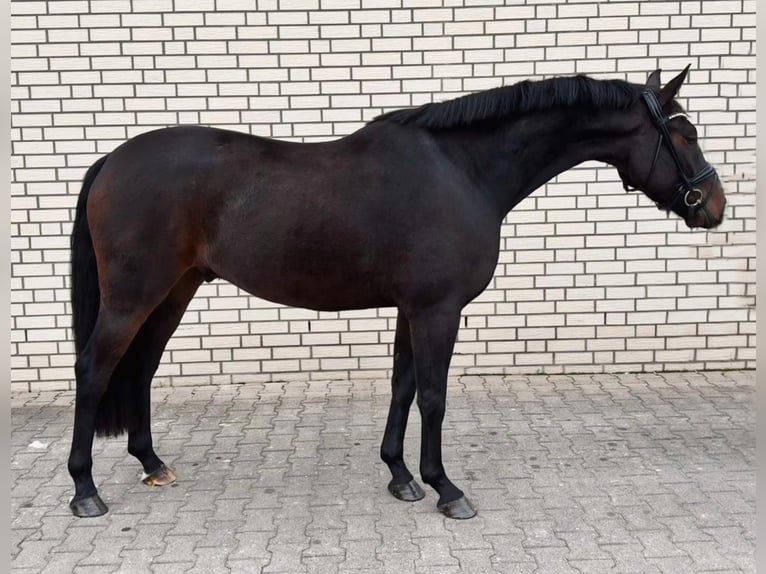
390	455
79	466
432	476
138	448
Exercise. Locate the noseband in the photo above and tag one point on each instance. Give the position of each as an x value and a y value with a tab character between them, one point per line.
687	191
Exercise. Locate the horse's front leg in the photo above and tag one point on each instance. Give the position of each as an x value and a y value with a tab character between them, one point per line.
403	486
433	335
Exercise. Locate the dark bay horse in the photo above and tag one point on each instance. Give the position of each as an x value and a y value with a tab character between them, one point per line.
405	212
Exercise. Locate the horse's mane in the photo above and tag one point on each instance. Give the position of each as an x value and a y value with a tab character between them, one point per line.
523	97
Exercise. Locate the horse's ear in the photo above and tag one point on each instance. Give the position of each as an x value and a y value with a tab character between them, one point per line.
670	90
654	80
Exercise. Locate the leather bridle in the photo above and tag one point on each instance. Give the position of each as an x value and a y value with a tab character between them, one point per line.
687	193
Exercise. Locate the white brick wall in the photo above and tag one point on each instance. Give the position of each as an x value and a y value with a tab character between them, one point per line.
590	278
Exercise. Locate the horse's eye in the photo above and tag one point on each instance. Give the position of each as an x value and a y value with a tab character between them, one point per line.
691	140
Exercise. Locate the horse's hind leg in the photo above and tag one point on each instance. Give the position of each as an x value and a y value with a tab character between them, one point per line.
111	336
138	367
403	486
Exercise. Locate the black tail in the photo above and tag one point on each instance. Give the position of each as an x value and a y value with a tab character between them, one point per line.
85	291
118	408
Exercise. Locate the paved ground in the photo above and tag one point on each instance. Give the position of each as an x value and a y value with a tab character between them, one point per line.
603	473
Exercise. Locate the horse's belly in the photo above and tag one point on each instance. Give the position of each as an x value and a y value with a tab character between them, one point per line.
321	290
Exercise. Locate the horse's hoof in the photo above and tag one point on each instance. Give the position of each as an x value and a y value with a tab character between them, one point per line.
88	507
460	509
408	491
160	477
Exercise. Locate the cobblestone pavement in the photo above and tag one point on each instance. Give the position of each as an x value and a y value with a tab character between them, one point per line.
596	473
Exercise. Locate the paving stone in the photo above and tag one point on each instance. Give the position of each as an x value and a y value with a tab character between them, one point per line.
220	534
325	543
582	545
552	560
707	556
360	555
468	534
361	527
34	553
285	558
252	545
210	560
674	565
246	566
434	550
474	560
684	529
178	548
441	569
66	562
540	535
629	558
106	550
163	511
592	566
139	560
96	569
174	568
191	523
259	520
516	567
151	536
329	564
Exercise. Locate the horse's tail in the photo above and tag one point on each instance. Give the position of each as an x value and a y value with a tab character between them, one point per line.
85	292
119	409
86	300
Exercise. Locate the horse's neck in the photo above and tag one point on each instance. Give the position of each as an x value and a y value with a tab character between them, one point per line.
514	159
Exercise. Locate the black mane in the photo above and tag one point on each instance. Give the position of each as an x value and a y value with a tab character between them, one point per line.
520	98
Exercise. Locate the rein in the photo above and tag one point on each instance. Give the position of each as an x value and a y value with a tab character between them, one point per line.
687	191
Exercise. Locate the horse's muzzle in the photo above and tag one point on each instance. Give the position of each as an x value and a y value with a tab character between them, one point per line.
708	213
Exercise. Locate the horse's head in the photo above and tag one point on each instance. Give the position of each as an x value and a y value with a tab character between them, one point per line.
666	162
